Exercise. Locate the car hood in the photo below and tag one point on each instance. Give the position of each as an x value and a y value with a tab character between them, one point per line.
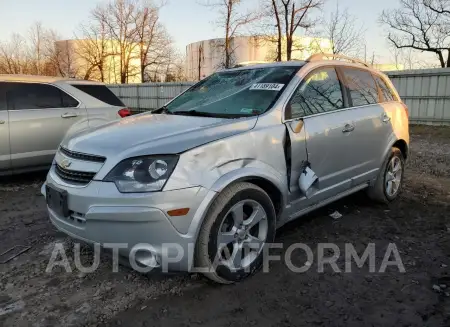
148	133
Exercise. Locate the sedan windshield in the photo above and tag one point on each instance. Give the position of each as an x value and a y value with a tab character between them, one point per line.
235	93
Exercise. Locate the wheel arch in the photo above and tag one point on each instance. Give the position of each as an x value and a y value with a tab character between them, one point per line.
403	146
276	190
270	188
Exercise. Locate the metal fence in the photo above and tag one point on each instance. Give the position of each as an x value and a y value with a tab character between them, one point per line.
425	91
148	96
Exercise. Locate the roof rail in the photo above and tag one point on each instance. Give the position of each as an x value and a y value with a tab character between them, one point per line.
323	56
249	63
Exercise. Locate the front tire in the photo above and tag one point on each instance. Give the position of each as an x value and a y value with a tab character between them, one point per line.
389	182
239	224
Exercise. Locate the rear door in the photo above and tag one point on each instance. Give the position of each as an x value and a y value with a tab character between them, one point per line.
40	115
5	159
392	117
369	127
320	103
101	114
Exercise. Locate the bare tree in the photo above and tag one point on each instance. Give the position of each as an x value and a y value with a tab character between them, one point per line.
54	63
39	53
396	54
177	69
342	30
276	15
33	55
37	38
13	55
134	35
174	69
154	42
290	15
119	19
232	21
438	6
66	59
94	49
122	40
419	26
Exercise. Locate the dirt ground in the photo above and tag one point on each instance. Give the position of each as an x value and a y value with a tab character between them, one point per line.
418	223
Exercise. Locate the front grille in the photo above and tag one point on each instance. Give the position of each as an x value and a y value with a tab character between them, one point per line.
72	176
82	156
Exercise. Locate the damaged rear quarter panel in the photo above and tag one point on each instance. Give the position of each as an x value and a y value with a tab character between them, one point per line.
256	153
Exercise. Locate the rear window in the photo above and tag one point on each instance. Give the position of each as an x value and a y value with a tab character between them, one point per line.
386	91
362	87
101	93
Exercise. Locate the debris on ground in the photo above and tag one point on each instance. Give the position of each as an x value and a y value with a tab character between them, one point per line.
335	215
437	288
13	252
11	307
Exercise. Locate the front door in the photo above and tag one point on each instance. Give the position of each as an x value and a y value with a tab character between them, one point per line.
328	131
40	116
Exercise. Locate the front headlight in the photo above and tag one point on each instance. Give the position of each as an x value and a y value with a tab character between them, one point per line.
142	174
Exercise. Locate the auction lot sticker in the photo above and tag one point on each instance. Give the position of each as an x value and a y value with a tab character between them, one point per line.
267	86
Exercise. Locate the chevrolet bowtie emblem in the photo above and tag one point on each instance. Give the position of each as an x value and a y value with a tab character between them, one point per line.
65	163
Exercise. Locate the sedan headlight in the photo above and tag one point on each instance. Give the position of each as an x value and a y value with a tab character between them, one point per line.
142	174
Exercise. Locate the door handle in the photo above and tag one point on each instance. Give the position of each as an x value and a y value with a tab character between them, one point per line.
2	122
385	118
69	115
348	128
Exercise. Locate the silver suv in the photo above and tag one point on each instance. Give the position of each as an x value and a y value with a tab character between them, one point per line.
36	112
218	169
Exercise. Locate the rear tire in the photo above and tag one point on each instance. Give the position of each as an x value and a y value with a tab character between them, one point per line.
389	182
229	247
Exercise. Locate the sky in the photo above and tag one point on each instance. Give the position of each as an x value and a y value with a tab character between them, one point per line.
186	20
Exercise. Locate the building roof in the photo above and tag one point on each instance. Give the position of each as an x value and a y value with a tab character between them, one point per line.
42	79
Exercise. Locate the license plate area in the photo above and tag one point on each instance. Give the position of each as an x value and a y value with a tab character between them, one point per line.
57	200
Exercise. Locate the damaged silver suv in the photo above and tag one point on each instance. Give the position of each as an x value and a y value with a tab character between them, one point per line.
218	169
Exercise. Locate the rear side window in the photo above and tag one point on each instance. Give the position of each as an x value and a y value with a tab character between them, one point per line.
100	92
22	96
319	92
68	101
361	85
386	91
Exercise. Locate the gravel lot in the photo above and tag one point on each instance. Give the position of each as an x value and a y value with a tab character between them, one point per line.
418	223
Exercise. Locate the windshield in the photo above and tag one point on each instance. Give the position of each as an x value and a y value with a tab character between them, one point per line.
234	93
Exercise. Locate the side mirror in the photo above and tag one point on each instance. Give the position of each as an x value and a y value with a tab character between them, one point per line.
297	125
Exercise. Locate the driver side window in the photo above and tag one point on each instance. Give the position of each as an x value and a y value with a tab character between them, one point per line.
319	92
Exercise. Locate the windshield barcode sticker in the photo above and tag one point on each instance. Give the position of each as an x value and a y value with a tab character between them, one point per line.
267	86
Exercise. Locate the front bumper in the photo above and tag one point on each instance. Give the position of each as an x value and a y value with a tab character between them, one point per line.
99	213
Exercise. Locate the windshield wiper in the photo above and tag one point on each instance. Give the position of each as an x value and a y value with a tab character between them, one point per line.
162	110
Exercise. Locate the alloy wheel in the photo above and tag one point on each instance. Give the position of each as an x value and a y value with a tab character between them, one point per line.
242	235
393	177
